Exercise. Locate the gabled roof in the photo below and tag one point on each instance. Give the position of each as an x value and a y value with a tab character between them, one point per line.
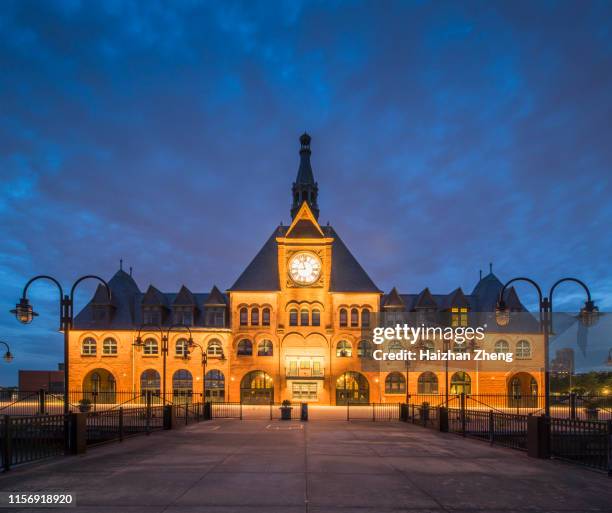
100	297
304	224
184	298
457	299
262	272
153	297
393	300
215	298
425	300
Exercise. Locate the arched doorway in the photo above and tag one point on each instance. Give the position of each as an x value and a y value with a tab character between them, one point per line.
522	391
461	383
182	387
150	383
257	387
352	387
214	382
99	386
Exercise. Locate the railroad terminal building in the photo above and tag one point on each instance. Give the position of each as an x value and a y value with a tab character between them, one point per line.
292	327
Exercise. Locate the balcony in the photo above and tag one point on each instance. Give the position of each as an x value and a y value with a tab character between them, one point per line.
304	372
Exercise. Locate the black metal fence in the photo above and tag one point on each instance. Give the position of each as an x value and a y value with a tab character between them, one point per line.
115	425
587	443
226	410
373	411
423	415
31	438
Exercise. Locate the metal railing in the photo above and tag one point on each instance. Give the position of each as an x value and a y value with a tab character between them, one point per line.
31	438
117	424
587	443
423	415
373	411
226	410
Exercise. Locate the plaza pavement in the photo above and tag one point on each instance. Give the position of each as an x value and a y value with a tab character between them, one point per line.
232	466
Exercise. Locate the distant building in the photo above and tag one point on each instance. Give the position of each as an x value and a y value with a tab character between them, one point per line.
49	380
563	362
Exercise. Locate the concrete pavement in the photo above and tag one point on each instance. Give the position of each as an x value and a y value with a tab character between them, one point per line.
253	466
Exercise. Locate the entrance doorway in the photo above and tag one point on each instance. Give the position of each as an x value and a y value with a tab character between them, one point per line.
352	387
257	387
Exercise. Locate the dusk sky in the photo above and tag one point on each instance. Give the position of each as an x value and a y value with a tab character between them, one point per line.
444	137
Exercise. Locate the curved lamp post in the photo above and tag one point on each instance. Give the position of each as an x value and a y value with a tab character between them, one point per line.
24	313
589	314
193	344
164	348
8	356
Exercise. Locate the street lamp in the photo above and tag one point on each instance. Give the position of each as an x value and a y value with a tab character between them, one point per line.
164	348
8	356
24	313
193	344
588	316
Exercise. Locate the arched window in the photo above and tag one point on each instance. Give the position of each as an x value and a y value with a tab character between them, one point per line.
501	346
95	382
89	347
395	345
245	347
364	349
523	349
515	387
427	383
100	385
533	386
109	346
293	317
150	346
257	387
354	317
214	348
255	316
316	317
182	386
244	316
461	383
343	317
427	345
214	382
265	317
365	318
150	381
460	347
344	349
304	317
181	348
265	348
395	383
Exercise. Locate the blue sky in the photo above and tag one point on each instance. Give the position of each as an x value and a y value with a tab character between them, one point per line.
445	136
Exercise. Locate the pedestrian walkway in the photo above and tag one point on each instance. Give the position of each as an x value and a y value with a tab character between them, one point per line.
272	466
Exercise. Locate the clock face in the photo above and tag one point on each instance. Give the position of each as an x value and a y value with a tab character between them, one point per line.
304	268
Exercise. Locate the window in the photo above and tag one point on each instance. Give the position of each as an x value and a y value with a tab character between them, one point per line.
89	347
364	349
523	349
150	346
150	381
316	317
459	317
460	347
427	345
427	383
183	315
265	317
255	316
265	348
214	349
501	346
354	317
343	318
344	349
245	347
215	316
461	383
244	317
365	318
181	348
395	383
395	345
151	316
304	317
215	385
293	317
109	346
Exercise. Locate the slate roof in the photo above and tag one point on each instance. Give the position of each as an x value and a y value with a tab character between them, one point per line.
128	300
347	275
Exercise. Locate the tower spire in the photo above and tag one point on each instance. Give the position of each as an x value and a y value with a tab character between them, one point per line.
305	189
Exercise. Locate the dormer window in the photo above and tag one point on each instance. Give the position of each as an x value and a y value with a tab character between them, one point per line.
183	315
459	317
215	316
151	315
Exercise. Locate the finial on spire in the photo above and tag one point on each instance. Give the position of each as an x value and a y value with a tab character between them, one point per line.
130	270
480	273
490	267
304	189
305	141
121	264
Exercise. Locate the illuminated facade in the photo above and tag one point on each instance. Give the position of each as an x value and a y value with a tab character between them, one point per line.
291	327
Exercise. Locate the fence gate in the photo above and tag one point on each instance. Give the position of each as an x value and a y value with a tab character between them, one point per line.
373	411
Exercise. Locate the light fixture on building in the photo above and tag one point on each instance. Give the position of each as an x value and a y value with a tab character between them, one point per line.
502	313
589	314
23	311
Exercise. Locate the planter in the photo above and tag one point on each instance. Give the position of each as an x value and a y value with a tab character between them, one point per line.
286	412
84	408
